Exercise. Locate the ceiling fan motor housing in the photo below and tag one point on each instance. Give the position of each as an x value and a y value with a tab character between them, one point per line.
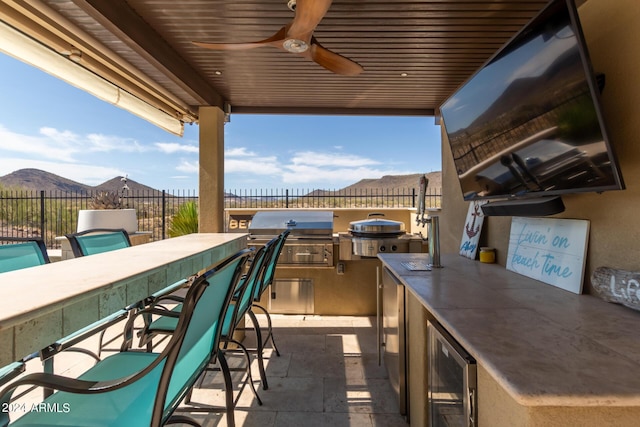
295	45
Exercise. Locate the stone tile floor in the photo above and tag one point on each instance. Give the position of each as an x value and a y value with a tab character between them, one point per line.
327	375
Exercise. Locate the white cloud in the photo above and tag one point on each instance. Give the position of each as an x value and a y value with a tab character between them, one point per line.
107	143
187	166
54	144
301	174
174	147
239	152
303	167
62	137
331	159
50	144
255	166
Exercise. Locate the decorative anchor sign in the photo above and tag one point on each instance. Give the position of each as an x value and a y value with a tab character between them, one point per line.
472	229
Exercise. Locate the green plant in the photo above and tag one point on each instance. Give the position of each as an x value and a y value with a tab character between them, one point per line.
185	220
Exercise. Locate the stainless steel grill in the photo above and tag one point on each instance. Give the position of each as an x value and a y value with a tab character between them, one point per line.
310	242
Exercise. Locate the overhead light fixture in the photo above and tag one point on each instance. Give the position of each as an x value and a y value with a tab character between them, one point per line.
18	45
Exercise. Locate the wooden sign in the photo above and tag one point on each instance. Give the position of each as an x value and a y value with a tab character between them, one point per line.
472	229
550	250
617	286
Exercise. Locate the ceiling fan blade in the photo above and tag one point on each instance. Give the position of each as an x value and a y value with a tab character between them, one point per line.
333	61
275	40
309	13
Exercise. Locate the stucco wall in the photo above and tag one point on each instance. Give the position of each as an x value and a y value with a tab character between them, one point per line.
613	35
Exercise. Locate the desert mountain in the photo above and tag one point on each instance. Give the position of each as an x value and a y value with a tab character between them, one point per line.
398	181
36	180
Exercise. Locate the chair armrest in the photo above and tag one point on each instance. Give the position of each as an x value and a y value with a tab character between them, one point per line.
146	314
174	298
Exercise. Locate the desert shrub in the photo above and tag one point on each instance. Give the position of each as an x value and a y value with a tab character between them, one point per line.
185	220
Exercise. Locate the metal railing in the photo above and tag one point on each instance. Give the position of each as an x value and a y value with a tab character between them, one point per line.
25	213
326	199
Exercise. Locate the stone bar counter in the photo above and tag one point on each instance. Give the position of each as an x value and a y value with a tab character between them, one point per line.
40	305
546	357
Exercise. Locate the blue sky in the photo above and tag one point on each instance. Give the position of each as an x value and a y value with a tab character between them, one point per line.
47	124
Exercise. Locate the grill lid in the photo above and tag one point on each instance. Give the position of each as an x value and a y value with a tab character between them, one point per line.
311	224
373	228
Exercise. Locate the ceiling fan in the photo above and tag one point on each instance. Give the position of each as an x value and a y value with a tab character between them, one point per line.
297	37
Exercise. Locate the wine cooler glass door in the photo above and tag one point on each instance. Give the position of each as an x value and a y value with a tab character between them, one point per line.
451	381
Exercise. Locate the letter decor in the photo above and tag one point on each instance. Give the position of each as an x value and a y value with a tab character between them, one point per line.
617	286
472	229
550	250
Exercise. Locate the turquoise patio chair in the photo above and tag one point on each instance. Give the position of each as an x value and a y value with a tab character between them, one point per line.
31	253
267	279
98	240
91	242
165	324
135	388
26	253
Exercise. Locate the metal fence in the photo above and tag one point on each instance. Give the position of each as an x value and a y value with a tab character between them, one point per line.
25	213
328	199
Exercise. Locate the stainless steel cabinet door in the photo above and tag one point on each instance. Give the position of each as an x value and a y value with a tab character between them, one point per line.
393	330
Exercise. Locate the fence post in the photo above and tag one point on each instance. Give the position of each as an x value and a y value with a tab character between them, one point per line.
164	214
43	232
413	197
286	198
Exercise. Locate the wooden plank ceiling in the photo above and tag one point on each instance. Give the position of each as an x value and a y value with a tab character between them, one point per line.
414	52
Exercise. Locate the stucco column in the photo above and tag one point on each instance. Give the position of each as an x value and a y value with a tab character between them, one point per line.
211	179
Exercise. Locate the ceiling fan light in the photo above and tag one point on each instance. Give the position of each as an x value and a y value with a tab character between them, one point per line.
295	45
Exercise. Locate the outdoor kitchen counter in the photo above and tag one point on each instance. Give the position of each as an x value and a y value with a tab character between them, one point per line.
40	305
542	345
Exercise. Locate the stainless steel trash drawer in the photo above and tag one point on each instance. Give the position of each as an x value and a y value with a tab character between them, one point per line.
291	296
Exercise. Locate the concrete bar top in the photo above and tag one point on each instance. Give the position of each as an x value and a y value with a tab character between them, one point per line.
543	345
40	305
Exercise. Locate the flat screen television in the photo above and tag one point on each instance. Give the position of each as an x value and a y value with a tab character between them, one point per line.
528	122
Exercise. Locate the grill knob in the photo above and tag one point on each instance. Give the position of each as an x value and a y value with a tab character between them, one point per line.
383	248
394	248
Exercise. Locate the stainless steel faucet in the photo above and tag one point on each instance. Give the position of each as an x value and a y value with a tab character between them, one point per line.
424	183
433	233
